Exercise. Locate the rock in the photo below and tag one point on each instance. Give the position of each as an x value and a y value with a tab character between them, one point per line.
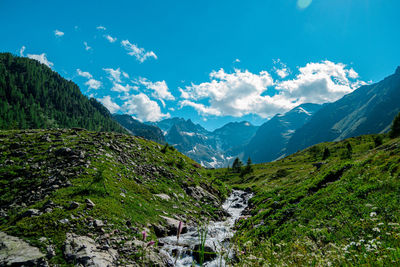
200	194
209	253
160	230
51	252
30	213
64	221
89	203
83	250
98	223
16	252
163	196
172	226
73	205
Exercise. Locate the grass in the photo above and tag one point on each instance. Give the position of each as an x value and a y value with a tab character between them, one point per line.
342	210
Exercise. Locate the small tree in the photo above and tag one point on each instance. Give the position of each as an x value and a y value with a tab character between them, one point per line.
326	154
237	165
395	130
249	167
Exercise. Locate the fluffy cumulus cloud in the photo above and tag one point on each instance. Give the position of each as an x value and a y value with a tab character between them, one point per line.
242	92
109	104
140	53
281	69
84	74
42	58
320	83
117	87
114	74
58	33
159	88
143	108
110	38
234	94
93	84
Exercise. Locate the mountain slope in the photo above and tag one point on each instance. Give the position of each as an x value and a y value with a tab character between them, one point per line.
369	109
272	137
138	128
317	208
101	189
234	136
34	96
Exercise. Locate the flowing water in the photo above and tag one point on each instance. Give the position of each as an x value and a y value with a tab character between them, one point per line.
217	238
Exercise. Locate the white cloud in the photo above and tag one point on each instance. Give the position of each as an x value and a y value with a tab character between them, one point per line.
109	104
159	88
242	92
115	74
237	60
85	74
281	69
110	38
101	28
120	88
93	84
143	108
139	53
58	33
22	50
321	82
87	47
42	59
234	94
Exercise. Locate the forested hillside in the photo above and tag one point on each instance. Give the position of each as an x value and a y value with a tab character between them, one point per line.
33	96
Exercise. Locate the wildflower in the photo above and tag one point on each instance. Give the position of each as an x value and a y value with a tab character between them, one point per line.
144	235
372	214
150	243
376	229
178	234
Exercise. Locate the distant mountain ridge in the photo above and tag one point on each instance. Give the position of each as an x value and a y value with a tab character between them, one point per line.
270	141
211	149
369	109
138	128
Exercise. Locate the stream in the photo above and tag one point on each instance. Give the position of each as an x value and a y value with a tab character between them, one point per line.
217	238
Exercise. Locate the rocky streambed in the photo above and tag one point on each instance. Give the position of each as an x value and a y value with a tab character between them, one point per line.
185	251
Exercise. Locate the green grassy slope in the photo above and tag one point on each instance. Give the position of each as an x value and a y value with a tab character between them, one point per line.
311	210
38	166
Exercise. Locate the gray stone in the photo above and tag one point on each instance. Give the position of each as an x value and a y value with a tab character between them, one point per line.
89	203
83	250
30	213
163	196
73	205
98	223
16	252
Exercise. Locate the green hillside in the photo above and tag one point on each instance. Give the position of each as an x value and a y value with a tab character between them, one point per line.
46	177
32	96
333	203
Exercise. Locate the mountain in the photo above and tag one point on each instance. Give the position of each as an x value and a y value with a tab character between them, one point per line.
234	136
84	197
272	137
33	96
369	109
211	149
138	128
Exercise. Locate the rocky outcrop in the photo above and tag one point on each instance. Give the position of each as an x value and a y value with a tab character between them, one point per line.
84	250
16	252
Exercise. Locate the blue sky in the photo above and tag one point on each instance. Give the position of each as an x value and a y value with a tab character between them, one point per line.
211	61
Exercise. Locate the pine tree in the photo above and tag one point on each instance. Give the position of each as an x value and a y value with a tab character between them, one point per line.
395	130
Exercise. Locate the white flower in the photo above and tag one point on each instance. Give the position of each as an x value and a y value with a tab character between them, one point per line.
376	229
372	214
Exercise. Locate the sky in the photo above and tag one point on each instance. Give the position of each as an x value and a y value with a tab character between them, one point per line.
211	61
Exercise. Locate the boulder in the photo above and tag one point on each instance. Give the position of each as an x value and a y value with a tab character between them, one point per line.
172	226
16	252
83	250
89	203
